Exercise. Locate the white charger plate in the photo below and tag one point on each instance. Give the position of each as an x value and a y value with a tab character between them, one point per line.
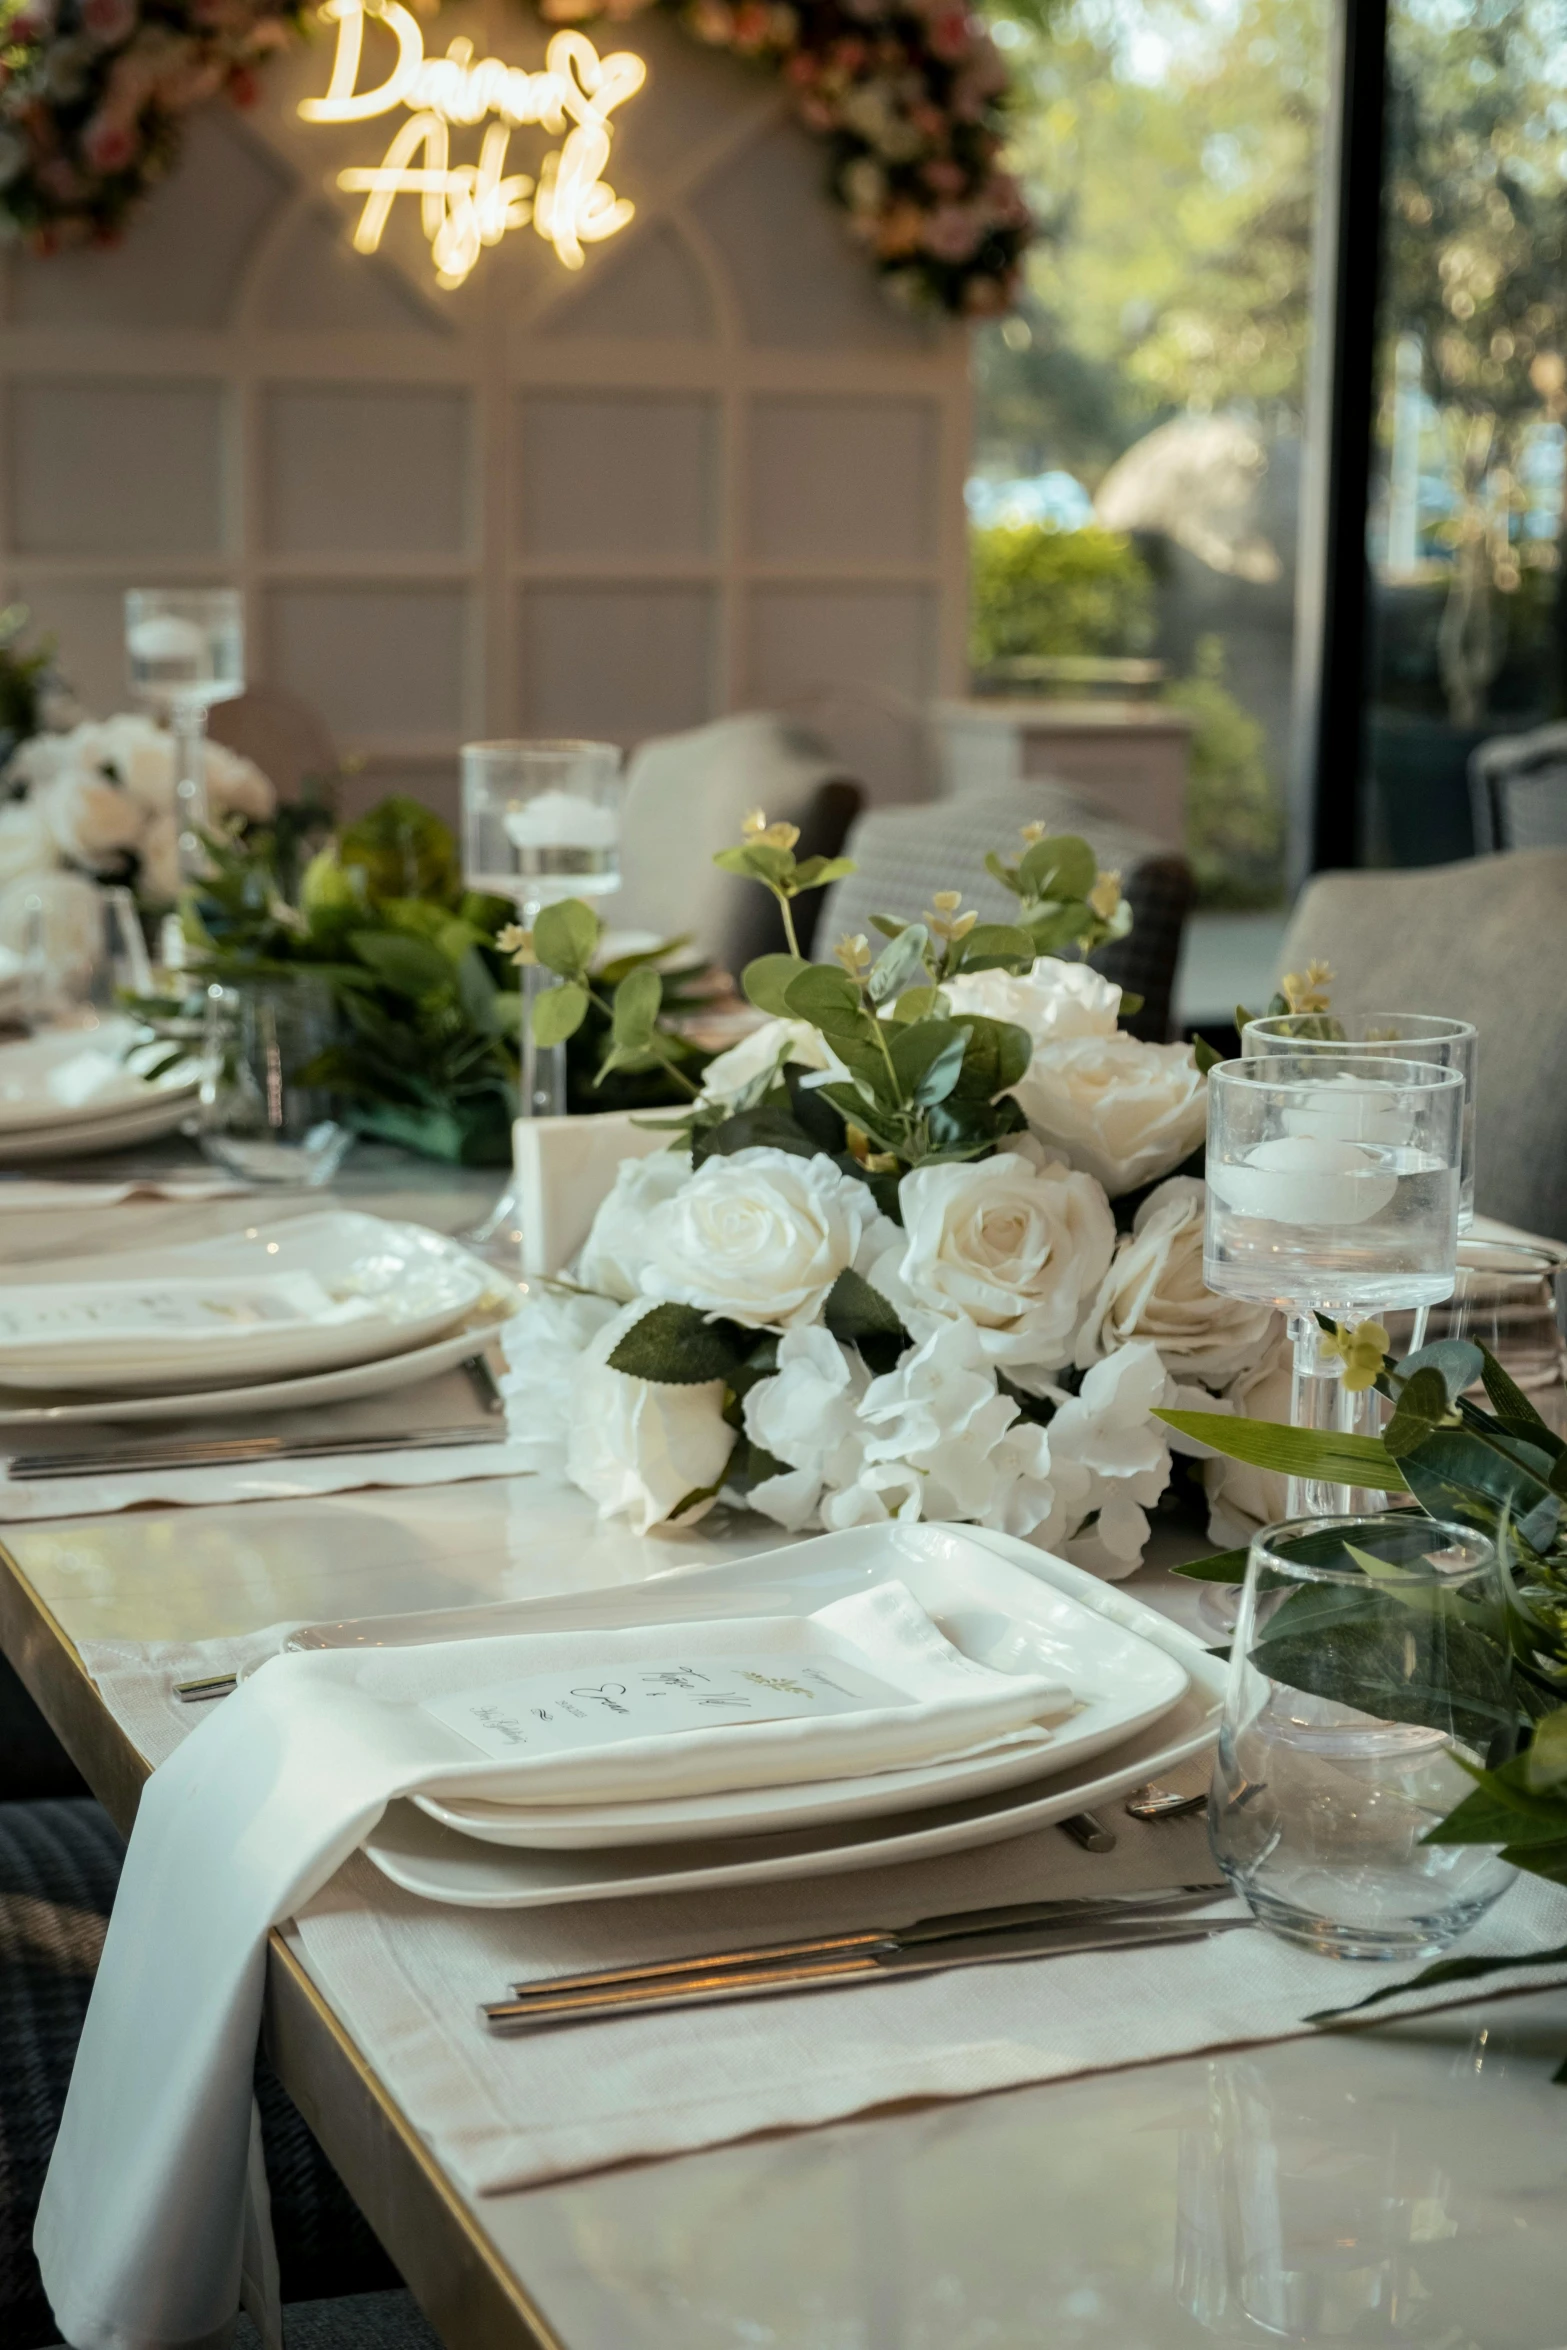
986	1589
1120	1681
72	1079
140	1122
417	1283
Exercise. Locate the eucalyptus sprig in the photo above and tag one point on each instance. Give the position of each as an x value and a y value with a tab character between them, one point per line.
565	939
766	854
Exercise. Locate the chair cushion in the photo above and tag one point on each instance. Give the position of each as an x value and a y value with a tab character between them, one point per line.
1484	941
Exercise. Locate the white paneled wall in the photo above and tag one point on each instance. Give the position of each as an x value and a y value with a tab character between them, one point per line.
716	470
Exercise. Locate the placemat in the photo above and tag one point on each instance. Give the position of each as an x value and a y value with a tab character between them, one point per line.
406	1976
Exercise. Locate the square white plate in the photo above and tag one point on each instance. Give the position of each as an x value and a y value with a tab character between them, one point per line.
412	1284
993	1596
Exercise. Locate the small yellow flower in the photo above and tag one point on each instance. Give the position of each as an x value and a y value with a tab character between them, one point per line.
516	942
1359	1350
1033	832
947	901
757	833
1105	896
942	919
854	954
1308	990
859	1146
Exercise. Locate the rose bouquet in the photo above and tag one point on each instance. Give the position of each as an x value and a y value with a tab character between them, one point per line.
927	1244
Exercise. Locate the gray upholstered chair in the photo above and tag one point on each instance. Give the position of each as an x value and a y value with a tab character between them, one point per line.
1518	790
902	854
1484	941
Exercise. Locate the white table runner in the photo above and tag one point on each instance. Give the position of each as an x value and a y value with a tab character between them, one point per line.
406	1977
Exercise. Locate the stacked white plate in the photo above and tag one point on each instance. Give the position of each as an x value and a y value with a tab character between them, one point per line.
312	1309
77	1090
1145	1698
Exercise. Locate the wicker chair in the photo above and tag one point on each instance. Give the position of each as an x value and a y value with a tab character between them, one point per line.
902	854
59	1866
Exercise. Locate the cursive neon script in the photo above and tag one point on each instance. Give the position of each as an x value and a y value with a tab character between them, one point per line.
467	206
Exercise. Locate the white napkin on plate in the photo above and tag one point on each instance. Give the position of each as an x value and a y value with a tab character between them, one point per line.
139	2233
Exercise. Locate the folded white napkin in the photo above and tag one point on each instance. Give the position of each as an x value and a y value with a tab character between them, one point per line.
139	2233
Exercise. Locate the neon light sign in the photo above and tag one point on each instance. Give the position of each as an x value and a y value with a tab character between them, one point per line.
467	206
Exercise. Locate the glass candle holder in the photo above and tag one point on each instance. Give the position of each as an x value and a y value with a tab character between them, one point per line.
185	650
1333	1192
1369	1653
265	1109
1506	1296
1405	1036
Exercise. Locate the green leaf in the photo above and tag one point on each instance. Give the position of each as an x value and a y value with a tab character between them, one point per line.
1065	867
1202	1051
993	946
565	936
1458	1474
916	1003
677	1346
1508	1399
828	999
559	1012
1005	874
998	1053
822	872
1334	1458
1546	1762
411	965
767	978
1225	1566
1062	928
888	925
769	1126
1364	1648
899	964
917	1048
1457	1361
945	1068
1422	1406
637	1001
755	861
1446	1970
858	1315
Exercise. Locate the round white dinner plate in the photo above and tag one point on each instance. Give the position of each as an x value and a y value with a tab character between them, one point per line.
71	1078
338	1288
1120	1682
985	1588
140	1121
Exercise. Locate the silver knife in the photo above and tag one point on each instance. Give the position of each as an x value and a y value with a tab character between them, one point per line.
224	1452
836	1964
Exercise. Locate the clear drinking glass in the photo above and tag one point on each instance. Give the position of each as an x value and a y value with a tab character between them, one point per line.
540	822
1332	1190
1368	1653
185	650
1408	1036
80	948
1505	1297
264	1112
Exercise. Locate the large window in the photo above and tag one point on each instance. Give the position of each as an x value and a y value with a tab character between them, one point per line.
1468	604
1138	450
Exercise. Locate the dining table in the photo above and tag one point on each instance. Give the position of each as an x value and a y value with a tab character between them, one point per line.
1399	2182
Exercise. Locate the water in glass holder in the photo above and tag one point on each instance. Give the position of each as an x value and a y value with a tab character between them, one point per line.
541	820
1333	1180
1369	1653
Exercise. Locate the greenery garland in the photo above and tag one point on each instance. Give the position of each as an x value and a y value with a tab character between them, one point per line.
908	95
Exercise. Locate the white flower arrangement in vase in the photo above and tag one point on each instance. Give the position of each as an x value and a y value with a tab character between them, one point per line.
919	1248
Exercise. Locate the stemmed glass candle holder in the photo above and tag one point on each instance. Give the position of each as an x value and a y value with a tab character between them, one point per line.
1333	1191
185	650
1406	1036
541	823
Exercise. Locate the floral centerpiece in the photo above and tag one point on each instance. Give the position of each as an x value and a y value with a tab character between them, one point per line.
928	1244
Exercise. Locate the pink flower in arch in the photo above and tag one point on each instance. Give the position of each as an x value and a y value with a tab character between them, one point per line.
108	144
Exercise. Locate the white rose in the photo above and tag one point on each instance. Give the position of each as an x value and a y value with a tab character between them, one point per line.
760	1237
1119	1109
939	1441
750	1066
90	820
1055	1001
26	845
1014	1246
638	1448
805	1416
614	1256
544	1345
236	786
1155	1289
159	879
140	753
1109	1430
1240	1498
